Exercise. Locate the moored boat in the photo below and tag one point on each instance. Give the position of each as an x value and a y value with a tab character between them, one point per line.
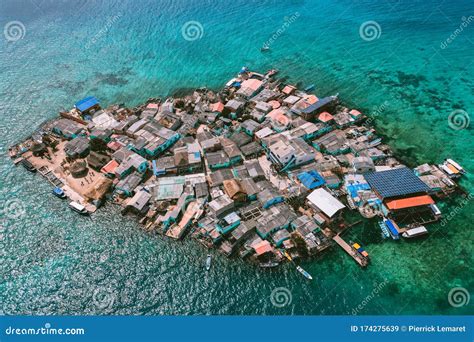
78	208
58	192
208	262
269	264
304	273
28	166
414	232
309	88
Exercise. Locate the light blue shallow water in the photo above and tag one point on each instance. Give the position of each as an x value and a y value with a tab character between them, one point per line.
128	51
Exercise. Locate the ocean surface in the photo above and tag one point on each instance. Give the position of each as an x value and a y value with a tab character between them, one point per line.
409	70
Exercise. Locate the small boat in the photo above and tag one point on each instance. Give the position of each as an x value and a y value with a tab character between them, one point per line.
304	273
265	48
414	232
58	192
288	256
392	229
27	165
78	208
269	264
309	88
456	165
208	262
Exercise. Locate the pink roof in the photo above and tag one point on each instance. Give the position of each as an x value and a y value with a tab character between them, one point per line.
306	102
279	116
153	106
114	145
275	104
262	247
311	99
355	112
217	107
252	83
110	167
325	117
288	89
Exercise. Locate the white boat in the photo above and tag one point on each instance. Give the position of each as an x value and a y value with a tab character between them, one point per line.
435	209
304	273
414	232
456	165
78	208
208	262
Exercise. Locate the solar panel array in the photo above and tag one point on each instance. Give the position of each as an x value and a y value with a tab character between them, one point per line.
396	182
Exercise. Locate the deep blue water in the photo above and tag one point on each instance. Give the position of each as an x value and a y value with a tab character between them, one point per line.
409	79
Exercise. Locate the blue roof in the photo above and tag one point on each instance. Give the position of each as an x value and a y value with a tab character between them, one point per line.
353	188
86	103
396	182
311	179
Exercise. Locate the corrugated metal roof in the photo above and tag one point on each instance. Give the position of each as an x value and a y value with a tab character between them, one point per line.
396	182
409	202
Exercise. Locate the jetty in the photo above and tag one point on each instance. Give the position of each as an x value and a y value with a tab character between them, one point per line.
260	170
361	260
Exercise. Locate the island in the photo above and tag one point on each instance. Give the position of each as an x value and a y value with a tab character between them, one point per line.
259	170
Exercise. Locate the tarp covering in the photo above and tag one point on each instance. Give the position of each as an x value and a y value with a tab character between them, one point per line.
86	103
311	179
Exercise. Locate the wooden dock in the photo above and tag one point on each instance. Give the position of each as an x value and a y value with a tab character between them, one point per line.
362	261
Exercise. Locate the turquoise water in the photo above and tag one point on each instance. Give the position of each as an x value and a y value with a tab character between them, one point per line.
54	262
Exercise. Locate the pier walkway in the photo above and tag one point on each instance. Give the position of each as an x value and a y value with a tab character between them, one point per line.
349	250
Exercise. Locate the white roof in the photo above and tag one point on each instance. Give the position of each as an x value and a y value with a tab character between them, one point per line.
264	132
325	202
